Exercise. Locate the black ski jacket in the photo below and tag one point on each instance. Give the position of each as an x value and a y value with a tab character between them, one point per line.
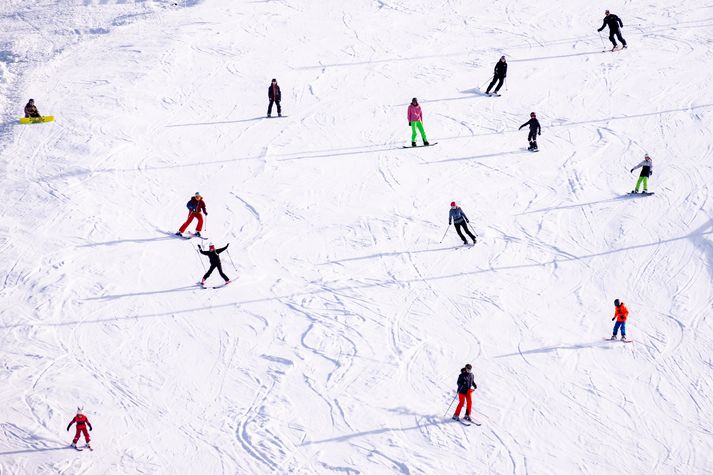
534	125
273	93
613	22
465	382
501	69
213	255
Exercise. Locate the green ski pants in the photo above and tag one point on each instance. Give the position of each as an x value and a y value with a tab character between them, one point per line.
645	181
417	125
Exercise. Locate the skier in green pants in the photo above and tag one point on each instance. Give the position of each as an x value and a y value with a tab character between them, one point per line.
647	169
415	120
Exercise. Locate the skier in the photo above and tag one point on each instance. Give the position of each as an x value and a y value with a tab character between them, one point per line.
31	109
275	96
466	385
647	169
460	220
499	74
620	314
195	206
614	23
415	121
214	262
82	423
535	130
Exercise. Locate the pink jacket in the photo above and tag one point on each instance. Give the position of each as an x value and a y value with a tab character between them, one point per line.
414	113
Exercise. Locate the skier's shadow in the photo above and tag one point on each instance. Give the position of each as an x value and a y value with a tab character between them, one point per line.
135	241
148	292
549	349
29	451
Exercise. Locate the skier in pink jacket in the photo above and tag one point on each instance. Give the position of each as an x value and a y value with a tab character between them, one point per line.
415	121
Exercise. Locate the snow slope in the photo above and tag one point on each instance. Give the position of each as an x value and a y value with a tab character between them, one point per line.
337	349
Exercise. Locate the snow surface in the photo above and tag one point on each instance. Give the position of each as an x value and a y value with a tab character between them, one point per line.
338	347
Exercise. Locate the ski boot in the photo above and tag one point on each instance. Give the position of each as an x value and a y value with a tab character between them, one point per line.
623	338
203	282
73	445
455	418
279	114
179	234
198	234
634	192
413	144
613	337
269	115
625	46
426	144
467	418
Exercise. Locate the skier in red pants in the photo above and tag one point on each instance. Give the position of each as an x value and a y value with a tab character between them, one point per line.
466	383
195	206
82	423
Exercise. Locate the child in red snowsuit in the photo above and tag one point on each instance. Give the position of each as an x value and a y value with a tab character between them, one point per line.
195	206
82	423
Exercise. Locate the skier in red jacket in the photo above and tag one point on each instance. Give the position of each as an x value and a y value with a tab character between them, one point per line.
82	423
195	206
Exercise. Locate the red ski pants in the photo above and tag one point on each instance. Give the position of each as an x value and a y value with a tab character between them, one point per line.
191	215
80	431
464	399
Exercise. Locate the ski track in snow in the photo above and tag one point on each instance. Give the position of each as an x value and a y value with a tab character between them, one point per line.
337	348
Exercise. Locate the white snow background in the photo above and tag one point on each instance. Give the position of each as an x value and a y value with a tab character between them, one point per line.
337	348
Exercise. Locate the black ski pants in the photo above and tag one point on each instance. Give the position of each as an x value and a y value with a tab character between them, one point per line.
617	33
269	108
220	271
492	83
463	225
532	138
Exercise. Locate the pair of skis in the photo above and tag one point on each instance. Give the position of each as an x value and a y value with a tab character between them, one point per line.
79	449
468	423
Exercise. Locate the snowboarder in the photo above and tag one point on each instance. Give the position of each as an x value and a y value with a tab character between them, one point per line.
466	385
415	121
31	109
614	23
535	130
82	423
195	206
620	314
647	169
460	220
214	262
275	96
499	74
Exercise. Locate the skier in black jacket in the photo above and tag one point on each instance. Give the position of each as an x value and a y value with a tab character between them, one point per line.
614	23
275	96
466	384
535	130
499	74
214	262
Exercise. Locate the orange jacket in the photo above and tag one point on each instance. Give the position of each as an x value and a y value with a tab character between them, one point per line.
621	312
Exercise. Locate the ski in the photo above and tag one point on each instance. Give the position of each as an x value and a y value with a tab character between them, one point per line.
77	448
493	94
622	341
89	447
420	146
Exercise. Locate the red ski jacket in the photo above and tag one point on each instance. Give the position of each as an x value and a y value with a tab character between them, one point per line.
81	421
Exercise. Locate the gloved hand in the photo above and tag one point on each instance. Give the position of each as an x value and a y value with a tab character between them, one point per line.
227	245
199	247
612	319
409	124
90	428
631	171
205	212
539	133
651	173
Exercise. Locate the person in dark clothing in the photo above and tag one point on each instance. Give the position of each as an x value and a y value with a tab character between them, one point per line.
214	262
615	24
499	75
535	130
466	385
275	96
31	109
460	220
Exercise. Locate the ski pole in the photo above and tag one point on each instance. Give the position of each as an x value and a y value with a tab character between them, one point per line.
444	234
206	222
602	38
472	230
486	82
201	260
449	406
231	260
506	85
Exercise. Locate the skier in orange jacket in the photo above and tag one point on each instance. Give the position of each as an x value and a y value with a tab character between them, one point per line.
620	314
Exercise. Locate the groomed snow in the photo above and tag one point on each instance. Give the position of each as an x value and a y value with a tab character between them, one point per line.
337	348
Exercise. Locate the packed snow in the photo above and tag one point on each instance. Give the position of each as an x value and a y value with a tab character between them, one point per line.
337	347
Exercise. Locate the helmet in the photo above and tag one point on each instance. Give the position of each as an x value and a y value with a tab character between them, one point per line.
617	303
502	57
646	157
414	100
79	410
211	247
532	114
453	204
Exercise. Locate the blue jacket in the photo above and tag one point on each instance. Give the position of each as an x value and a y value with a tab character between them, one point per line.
457	216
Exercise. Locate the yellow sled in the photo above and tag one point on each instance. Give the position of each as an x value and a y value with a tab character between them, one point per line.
36	120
